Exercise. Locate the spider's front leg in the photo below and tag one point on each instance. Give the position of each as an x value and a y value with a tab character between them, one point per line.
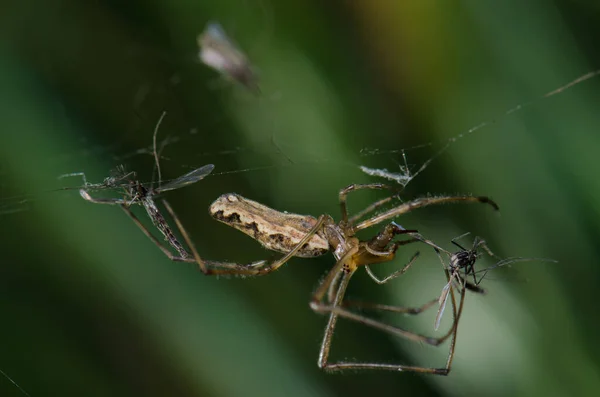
381	249
385	237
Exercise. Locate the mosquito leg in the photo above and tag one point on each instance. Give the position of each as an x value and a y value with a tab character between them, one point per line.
481	243
455	239
186	237
474	287
72	174
457	315
110	201
436	247
160	245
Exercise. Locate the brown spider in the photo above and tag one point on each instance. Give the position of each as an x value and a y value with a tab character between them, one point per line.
307	236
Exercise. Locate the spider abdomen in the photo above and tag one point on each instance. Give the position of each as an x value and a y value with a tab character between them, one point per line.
274	230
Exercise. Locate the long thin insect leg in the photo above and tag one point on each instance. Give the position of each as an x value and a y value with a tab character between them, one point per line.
186	237
160	245
457	315
110	201
481	243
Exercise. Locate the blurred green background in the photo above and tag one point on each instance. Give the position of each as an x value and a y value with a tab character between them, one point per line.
90	307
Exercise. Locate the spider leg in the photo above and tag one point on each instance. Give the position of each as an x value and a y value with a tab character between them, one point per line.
418	203
376	245
336	311
388	308
352	188
331	291
378	204
393	275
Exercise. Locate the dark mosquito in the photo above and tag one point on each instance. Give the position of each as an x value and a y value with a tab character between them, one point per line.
461	265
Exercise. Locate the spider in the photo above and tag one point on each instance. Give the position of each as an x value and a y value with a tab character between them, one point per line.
307	236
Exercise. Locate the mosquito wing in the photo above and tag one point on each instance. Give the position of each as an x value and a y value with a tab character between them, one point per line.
508	261
443	300
187	179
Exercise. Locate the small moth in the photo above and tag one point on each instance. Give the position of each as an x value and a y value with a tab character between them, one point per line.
219	52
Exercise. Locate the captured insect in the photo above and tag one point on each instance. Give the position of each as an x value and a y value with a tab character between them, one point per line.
136	193
307	236
464	261
219	52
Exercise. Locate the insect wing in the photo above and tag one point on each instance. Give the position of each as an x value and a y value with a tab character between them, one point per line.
443	300
508	262
187	179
